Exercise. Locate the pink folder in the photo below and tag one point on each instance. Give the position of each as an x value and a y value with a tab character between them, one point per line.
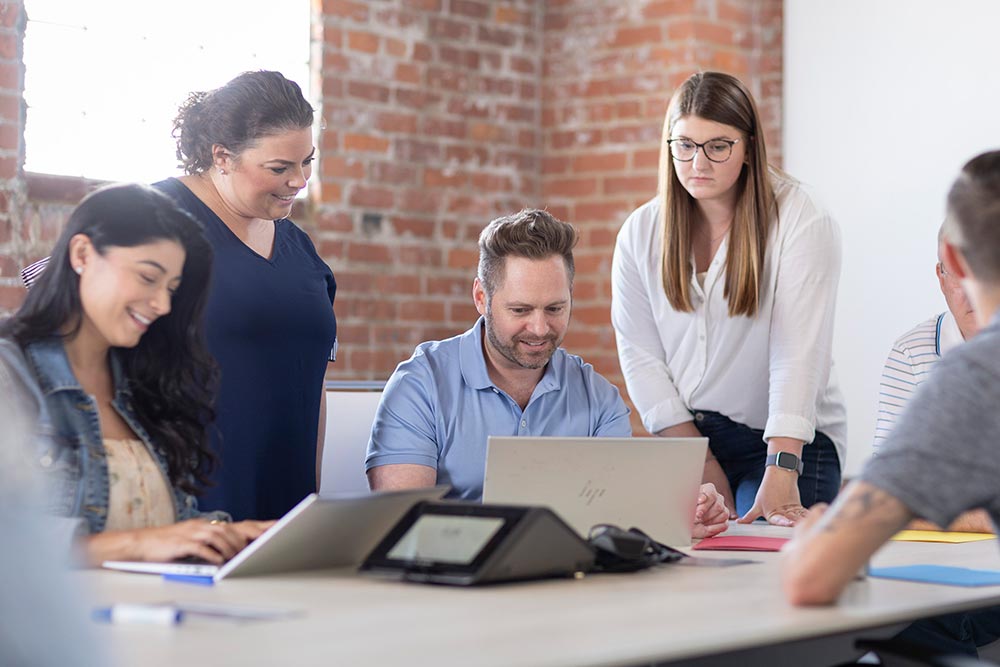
741	543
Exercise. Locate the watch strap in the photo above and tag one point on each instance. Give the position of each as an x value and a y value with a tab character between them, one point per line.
785	460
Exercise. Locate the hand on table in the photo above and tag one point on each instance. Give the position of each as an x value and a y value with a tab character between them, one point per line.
711	515
714	474
777	499
805	526
809	521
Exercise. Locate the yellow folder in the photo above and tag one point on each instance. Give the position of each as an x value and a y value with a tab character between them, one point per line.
940	536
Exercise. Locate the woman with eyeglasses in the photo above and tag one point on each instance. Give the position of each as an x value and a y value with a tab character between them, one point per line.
107	357
723	295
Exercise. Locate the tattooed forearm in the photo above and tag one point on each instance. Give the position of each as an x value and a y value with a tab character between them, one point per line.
864	503
829	549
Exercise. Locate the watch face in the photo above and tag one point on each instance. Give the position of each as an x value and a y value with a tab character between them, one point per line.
787	460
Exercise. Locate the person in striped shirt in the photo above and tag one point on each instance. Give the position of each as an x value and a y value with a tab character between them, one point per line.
915	353
30	273
909	364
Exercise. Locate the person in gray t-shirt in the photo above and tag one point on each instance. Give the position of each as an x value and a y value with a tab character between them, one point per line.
941	458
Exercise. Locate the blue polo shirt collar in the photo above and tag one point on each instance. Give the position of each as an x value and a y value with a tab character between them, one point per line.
473	363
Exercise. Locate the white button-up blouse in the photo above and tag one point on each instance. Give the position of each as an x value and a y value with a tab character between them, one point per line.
772	371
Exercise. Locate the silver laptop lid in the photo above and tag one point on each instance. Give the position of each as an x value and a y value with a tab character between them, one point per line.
648	483
322	533
318	533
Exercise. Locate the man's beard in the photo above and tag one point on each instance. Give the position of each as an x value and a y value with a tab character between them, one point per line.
512	353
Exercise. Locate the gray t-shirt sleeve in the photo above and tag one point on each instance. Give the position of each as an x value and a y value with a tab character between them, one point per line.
941	458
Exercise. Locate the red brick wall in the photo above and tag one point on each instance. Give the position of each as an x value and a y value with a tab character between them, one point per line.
610	69
12	232
440	115
432	112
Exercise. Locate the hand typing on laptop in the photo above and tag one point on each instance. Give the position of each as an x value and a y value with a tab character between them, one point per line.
318	533
213	542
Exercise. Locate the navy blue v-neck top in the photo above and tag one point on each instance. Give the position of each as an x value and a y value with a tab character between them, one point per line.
270	325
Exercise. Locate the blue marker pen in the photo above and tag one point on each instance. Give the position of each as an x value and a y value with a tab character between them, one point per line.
145	614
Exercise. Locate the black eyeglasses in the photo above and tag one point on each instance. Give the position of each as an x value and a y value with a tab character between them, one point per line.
716	150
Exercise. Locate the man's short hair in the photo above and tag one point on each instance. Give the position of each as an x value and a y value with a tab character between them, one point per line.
532	234
973	223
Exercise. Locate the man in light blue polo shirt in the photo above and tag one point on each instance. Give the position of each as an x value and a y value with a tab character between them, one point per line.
507	375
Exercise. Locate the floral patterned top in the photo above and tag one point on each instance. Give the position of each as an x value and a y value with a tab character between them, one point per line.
139	495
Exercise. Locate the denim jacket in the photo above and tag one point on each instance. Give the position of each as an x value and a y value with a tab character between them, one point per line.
69	449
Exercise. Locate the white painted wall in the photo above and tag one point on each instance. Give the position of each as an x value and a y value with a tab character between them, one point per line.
885	100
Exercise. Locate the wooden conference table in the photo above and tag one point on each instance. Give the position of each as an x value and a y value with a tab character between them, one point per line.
671	614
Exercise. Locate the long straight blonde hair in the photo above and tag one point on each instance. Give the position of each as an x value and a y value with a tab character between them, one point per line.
721	98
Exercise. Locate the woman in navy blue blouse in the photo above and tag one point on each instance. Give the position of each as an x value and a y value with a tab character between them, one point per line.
247	150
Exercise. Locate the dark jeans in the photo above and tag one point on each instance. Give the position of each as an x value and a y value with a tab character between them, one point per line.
954	634
741	451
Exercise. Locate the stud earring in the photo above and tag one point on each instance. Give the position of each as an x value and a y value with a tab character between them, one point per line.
222	171
79	270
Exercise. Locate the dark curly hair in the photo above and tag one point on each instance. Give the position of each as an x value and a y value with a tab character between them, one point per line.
171	374
251	106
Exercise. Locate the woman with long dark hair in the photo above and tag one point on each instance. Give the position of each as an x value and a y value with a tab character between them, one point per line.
246	149
724	287
109	354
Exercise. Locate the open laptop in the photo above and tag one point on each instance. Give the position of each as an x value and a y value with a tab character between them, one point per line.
318	533
649	483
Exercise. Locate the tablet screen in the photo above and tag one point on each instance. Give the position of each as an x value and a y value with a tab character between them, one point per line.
441	538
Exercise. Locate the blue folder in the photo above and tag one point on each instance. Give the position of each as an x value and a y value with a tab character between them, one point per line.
939	574
199	579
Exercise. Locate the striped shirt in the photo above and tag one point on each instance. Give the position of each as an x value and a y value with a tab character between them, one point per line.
30	273
910	362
